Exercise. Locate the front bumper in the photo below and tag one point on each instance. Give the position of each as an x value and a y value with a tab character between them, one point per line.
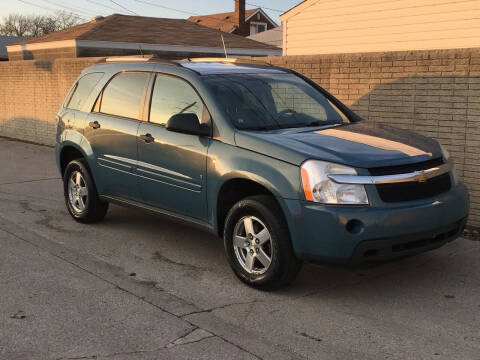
344	234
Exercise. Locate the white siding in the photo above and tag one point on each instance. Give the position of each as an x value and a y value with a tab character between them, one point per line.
346	26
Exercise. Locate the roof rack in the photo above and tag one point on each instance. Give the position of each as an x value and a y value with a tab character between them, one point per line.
139	58
230	60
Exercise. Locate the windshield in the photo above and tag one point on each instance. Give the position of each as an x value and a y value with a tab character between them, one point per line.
272	101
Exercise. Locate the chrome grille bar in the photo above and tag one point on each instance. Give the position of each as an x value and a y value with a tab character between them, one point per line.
420	176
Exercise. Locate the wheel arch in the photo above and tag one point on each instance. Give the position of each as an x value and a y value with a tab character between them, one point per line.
69	151
236	188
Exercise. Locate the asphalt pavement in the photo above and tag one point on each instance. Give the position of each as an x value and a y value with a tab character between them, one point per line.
137	286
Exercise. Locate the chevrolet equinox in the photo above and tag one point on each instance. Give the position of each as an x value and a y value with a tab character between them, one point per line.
260	155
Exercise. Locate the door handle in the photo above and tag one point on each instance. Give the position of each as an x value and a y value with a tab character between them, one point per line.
94	124
147	138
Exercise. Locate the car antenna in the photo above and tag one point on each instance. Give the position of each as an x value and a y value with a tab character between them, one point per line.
140	49
224	47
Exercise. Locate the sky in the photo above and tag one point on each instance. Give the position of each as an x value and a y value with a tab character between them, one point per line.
89	8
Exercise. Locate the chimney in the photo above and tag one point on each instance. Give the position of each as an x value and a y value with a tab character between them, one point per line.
240	15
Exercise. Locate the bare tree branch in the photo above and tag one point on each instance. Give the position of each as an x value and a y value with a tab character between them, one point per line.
36	25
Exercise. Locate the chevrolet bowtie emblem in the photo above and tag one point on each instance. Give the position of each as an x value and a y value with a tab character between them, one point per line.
422	177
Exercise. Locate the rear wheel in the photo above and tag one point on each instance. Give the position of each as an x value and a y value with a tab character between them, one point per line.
81	195
257	243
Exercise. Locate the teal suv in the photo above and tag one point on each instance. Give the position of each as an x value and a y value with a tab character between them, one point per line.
260	155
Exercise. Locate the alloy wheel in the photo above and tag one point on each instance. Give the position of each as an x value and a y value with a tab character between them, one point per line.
77	192
252	244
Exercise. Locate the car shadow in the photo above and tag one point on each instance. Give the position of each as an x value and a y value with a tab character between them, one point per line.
185	246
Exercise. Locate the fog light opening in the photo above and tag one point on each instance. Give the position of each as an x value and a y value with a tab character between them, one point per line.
355	227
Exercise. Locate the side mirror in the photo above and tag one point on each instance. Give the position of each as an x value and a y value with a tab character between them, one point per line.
187	124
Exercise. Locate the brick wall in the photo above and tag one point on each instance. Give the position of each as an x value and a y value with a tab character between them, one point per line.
436	93
43	54
31	93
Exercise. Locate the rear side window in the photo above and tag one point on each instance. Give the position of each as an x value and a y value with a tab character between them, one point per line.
173	96
82	90
124	94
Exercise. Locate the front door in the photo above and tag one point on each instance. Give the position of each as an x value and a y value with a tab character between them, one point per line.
112	132
172	166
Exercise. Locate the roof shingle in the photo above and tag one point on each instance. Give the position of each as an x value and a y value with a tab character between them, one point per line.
150	30
222	21
8	40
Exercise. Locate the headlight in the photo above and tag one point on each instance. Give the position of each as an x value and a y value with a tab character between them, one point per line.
319	188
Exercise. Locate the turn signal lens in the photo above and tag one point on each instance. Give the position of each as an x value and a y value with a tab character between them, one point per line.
318	187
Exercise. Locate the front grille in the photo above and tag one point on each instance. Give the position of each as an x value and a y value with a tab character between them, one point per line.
404	169
412	190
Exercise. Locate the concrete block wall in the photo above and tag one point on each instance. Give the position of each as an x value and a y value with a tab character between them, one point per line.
70	52
31	93
436	93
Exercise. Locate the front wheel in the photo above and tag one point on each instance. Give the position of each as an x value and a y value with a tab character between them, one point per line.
257	243
81	195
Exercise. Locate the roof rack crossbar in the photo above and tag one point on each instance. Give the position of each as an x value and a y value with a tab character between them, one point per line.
230	60
139	58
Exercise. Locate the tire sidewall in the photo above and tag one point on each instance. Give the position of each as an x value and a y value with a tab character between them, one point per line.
77	165
250	207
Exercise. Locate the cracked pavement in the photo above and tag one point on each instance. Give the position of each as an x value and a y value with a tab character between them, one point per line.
138	286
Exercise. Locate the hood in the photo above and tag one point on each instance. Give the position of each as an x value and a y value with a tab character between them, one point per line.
360	145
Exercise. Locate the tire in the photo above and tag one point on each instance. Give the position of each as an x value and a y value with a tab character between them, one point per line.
81	196
262	212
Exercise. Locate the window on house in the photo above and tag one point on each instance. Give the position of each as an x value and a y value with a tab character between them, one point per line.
256	28
261	28
124	94
82	90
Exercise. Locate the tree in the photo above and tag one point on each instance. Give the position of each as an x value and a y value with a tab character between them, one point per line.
16	25
37	25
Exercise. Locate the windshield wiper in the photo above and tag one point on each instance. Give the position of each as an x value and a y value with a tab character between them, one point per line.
188	107
309	124
261	128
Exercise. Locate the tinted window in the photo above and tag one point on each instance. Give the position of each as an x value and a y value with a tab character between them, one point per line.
82	90
272	101
173	96
123	95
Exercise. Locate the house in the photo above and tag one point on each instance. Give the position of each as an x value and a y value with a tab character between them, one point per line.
7	40
272	37
328	27
241	21
129	35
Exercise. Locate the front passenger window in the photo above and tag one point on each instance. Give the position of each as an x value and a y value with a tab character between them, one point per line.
173	96
124	94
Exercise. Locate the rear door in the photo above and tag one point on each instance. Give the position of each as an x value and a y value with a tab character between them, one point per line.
112	133
74	107
172	166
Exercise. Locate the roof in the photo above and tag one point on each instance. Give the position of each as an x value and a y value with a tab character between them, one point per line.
202	66
218	68
222	21
272	37
7	40
149	30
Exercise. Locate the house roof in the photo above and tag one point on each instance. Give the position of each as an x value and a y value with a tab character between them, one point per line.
272	37
149	30
7	40
223	21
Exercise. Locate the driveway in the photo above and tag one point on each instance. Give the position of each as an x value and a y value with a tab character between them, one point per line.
138	286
